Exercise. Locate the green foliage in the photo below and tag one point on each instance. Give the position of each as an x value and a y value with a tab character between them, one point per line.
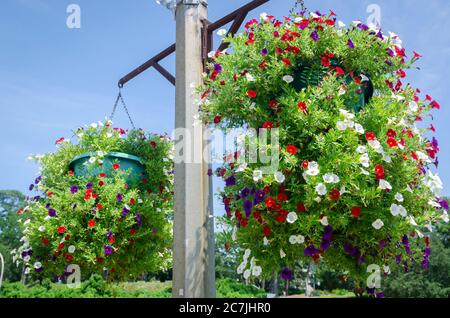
101	222
10	204
230	288
334	161
432	283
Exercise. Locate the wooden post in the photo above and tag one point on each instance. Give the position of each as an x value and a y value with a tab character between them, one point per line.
192	266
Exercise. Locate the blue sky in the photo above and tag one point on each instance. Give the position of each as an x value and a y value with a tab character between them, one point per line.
54	79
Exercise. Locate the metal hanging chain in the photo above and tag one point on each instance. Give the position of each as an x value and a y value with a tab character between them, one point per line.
301	4
120	98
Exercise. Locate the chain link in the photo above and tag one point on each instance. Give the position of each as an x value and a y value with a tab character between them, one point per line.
120	98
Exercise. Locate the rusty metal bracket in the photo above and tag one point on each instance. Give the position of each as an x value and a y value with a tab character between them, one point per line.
237	17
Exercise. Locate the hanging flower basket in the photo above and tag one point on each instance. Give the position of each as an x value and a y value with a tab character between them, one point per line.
80	165
354	185
103	203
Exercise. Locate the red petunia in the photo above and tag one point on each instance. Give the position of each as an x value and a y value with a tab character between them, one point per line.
392	142
339	71
291	149
252	94
217	119
270	202
101	184
61	246
302	106
45	241
268	125
59	141
278	51
91	223
116	166
379	172
99	206
326	61
356	212
61	229
282	216
70	173
112	240
335	194
273	103
69	257
267	231
49	194
87	196
244	223
391	133
435	104
301	207
305	164
371	136
102	175
133	231
282	197
286	61
132	201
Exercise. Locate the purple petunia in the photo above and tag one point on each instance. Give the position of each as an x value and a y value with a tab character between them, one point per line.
108	250
259	197
31	187
405	243
444	204
286	274
350	44
248	208
109	235
218	68
38	180
245	192
264	51
390	52
315	36
89	186
398	259
310	251
426	255
231	181
382	244
138	219
125	212
210	172
73	189
52	213
119	197
379	295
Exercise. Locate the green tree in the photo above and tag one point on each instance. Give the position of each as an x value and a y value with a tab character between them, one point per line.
10	203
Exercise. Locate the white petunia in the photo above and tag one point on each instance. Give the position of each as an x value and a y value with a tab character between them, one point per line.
92	160
292	217
399	197
444	216
420	234
247	253
434	183
413	107
41	228
241	267
247	274
365	172
324	221
242	167
359	129
265	241
263	16
94	125
384	185
361	149
321	189
249	77
71	249
26	259
27	222
257	175
288	79
376	145
412	221
398	210
27	271
387	158
222	32
296	239
340	125
340	25
341	91
313	169
330	178
256	271
279	177
387	269
282	254
364	160
378	224
346	114
37	265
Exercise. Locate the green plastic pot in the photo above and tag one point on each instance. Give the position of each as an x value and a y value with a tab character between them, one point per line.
133	165
312	74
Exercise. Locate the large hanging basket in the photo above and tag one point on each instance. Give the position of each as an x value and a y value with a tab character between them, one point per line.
133	164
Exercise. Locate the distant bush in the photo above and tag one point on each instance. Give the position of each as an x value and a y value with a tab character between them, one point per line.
229	288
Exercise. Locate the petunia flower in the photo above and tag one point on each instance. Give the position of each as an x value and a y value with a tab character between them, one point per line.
51	212
288	79
292	217
321	189
73	189
315	36
286	274
378	224
279	177
119	197
350	44
108	250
